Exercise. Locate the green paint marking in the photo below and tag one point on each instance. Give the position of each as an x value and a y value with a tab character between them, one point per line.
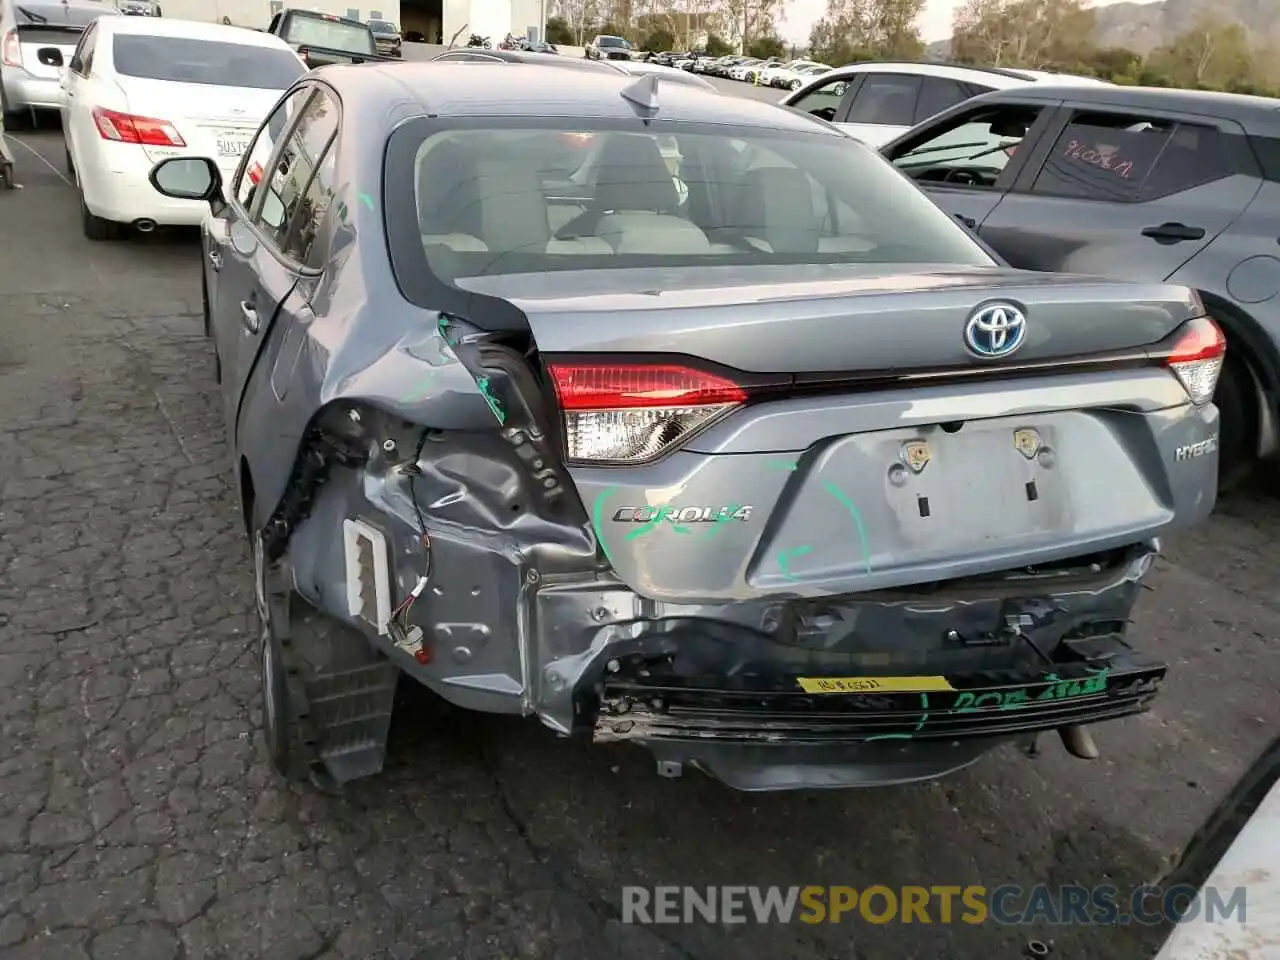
924	706
662	514
366	200
425	391
597	522
968	702
780	464
845	502
494	404
785	558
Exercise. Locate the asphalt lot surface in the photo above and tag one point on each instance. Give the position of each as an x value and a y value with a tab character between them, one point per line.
139	819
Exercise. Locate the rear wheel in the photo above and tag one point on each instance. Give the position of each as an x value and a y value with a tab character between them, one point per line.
95	227
13	119
71	165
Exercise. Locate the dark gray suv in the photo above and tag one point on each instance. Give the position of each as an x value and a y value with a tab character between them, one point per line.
1138	184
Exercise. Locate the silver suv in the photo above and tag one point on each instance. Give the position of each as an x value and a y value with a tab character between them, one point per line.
36	38
604	47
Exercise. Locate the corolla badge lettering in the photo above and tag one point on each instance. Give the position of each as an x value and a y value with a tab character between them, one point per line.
995	330
682	514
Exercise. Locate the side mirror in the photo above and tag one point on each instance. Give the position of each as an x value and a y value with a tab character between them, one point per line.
188	178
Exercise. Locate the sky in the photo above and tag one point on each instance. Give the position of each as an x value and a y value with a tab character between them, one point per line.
935	23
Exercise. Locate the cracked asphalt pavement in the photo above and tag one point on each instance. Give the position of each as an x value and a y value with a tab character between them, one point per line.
139	819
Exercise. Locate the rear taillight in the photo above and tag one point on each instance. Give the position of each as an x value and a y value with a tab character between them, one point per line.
11	50
126	128
630	413
1196	358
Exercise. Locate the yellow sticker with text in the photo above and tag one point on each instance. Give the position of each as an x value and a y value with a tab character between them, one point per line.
874	684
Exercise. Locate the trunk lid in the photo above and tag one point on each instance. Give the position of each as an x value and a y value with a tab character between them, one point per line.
215	121
33	39
737	433
813	319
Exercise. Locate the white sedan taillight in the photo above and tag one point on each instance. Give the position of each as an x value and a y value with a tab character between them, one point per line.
629	413
128	128
1196	358
11	50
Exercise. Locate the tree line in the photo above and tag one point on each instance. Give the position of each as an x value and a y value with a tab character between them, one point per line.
1058	35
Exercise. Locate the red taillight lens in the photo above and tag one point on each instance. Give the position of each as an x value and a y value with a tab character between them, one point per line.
1196	358
11	50
127	128
630	413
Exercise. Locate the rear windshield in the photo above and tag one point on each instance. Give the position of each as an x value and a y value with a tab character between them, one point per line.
212	62
334	34
382	26
502	201
56	16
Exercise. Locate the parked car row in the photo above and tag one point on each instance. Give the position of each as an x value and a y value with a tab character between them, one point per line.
636	393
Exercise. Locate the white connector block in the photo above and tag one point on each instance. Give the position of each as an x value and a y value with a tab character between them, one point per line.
368	573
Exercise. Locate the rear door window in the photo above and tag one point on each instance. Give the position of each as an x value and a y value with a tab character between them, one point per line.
302	180
82	61
824	100
937	95
1130	158
208	62
253	169
886	98
970	149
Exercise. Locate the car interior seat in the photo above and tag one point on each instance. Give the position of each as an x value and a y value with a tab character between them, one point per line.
638	200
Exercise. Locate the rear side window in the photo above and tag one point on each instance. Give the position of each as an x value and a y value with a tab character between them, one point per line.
937	95
208	62
823	101
1131	158
886	98
1267	150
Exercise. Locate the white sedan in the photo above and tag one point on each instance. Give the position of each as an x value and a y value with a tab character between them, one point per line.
140	90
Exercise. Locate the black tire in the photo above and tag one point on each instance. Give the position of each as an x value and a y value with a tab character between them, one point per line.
13	119
1237	426
71	166
290	751
795	84
96	228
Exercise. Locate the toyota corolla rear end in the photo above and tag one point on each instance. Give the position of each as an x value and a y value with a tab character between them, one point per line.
795	503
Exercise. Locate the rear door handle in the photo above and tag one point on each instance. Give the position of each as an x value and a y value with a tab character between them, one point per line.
1173	233
249	316
969	222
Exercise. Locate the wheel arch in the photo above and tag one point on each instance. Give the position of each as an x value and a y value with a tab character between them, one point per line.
1249	342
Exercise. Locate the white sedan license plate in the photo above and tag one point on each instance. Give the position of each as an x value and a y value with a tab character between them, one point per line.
230	148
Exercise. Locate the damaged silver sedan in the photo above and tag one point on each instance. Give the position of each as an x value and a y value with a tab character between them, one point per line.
677	419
